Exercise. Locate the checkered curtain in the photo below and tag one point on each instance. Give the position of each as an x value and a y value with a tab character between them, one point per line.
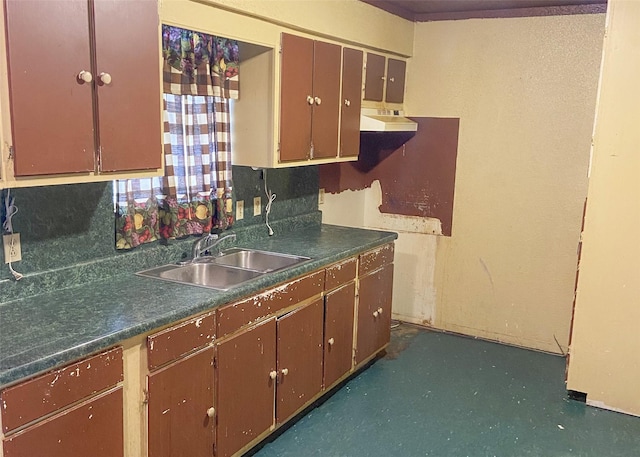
194	195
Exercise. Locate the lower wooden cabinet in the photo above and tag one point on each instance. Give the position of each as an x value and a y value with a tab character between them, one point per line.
181	412
92	428
338	333
76	410
374	312
265	374
246	380
299	359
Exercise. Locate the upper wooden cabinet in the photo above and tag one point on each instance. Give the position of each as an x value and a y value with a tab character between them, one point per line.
351	101
384	79
304	111
309	99
88	102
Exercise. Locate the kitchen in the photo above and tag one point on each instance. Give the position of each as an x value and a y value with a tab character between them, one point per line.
517	221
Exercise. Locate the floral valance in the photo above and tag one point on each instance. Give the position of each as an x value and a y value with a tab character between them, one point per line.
196	63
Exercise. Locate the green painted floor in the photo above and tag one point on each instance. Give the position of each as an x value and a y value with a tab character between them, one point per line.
437	394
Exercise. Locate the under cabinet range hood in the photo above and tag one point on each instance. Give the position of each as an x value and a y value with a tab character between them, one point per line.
385	120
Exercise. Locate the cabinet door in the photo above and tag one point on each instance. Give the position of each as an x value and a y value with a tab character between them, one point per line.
51	109
299	358
374	78
93	428
180	408
338	333
374	312
326	95
396	70
127	49
245	397
296	98
350	102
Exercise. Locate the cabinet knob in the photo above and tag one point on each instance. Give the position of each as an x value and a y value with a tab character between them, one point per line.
285	371
105	78
347	102
310	99
318	100
382	78
273	374
392	79
331	341
85	76
379	310
211	412
376	313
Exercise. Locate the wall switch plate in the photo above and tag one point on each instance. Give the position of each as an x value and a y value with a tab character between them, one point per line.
257	206
321	196
12	251
239	210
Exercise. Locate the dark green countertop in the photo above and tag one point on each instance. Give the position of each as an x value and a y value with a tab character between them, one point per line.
49	330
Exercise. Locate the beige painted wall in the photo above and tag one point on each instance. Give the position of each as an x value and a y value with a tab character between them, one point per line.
525	91
605	346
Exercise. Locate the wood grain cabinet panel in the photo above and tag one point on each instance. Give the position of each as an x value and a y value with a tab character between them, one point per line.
174	342
93	428
299	359
374	78
374	312
396	70
48	393
338	332
233	317
351	102
309	99
79	108
181	412
246	382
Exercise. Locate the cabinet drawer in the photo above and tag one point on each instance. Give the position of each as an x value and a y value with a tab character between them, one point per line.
340	273
235	316
169	344
50	392
372	260
93	428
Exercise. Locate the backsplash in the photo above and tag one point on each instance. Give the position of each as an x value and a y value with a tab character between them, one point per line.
67	231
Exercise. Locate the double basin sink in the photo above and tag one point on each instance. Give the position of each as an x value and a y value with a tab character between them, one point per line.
232	268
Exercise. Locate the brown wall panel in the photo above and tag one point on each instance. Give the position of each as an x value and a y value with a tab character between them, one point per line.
417	177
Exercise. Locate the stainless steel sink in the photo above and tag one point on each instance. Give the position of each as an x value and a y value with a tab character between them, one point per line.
228	270
262	261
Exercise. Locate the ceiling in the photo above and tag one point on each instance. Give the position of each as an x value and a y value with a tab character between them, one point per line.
439	10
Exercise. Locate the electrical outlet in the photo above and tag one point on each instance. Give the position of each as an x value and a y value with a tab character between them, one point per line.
12	251
239	210
257	206
321	196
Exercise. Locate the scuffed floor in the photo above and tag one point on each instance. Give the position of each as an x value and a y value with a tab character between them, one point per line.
443	395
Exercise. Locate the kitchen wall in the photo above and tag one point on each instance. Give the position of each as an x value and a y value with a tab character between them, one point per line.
606	332
63	226
525	92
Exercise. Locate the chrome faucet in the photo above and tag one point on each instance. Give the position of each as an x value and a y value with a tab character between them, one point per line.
207	243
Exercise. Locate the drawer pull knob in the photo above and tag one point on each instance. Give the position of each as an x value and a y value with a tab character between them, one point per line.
285	371
273	374
105	78
347	102
85	76
376	313
318	100
310	99
331	341
211	412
